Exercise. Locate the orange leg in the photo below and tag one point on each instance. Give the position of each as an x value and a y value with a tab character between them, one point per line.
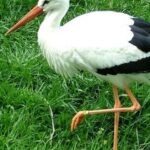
117	115
136	106
80	115
117	110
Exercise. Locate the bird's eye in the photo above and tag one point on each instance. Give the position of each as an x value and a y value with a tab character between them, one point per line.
45	2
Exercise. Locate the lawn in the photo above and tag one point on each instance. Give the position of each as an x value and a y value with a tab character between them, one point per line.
37	105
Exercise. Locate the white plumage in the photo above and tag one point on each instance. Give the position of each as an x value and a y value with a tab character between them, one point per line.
94	40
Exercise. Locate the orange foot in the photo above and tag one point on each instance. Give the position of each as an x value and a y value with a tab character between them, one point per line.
78	119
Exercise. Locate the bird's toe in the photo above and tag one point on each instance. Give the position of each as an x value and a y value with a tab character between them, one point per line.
77	119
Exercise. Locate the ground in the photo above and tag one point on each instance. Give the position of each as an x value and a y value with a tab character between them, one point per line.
37	105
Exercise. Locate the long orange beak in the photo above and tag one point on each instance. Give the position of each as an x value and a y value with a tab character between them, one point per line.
36	11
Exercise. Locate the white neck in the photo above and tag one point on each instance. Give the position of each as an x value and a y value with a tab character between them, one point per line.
53	19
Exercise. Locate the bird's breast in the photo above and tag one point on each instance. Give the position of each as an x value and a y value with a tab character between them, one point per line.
59	56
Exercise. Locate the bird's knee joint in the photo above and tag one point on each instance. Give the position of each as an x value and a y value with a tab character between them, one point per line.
135	107
138	107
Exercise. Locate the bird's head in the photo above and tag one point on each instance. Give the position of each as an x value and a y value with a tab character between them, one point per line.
41	7
51	5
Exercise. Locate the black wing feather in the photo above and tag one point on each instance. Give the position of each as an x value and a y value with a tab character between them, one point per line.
139	66
142	24
141	31
141	39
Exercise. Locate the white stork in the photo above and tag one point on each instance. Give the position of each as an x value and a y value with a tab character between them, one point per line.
111	45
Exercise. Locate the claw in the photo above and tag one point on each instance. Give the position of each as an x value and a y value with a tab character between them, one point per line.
78	118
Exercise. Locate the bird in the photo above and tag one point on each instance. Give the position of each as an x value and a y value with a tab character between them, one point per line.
111	45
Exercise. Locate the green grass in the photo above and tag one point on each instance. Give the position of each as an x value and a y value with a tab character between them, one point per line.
30	92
